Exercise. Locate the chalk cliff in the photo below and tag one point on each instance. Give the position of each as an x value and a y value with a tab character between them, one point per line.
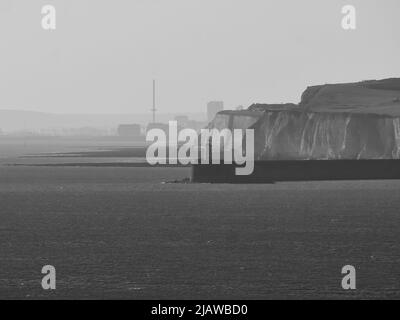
340	121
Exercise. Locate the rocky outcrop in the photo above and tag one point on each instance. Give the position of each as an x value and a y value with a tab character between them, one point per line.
340	121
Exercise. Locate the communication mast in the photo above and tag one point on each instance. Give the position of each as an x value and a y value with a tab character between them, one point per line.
154	102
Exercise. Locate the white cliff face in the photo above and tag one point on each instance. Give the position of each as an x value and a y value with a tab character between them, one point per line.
344	121
290	135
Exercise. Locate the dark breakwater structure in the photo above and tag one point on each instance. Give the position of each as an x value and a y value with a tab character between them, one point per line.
337	132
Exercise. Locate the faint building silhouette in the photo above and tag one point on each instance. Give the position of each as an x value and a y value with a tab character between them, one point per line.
129	130
213	107
185	123
156	125
196	125
182	121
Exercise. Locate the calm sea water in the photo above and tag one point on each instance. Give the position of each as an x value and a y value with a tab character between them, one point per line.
123	233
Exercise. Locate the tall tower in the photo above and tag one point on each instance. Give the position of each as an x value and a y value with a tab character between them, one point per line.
154	101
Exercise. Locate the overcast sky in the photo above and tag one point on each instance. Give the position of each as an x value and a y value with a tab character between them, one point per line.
104	54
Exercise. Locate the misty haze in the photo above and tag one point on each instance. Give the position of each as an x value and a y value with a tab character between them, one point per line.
87	187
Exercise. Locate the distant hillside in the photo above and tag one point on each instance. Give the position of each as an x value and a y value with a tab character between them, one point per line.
11	120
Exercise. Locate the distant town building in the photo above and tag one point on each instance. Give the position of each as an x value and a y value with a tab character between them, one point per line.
185	123
157	125
213	107
182	121
86	132
196	125
129	130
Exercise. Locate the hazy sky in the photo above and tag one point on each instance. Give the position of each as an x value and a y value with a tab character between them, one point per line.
104	54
